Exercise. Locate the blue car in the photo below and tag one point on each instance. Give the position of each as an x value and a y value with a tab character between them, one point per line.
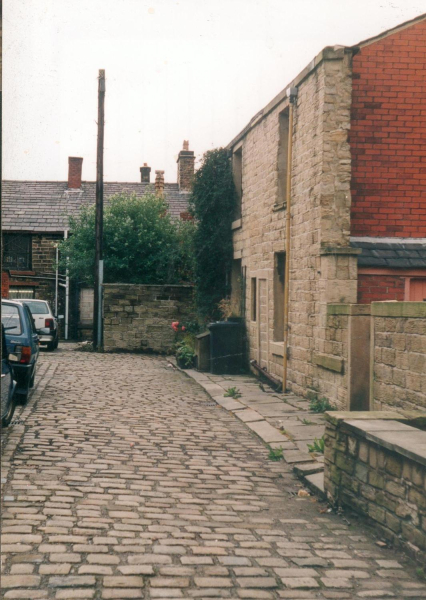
8	384
22	345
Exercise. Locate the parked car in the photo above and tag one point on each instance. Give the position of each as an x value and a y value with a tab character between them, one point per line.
45	322
8	384
22	345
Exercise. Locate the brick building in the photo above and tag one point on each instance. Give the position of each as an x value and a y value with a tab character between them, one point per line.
358	207
35	217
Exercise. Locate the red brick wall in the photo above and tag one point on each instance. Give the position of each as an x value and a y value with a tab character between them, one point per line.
4	284
388	135
376	288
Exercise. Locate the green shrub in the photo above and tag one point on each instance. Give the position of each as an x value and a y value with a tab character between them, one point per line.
321	405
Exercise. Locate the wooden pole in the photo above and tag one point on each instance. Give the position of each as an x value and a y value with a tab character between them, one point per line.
97	308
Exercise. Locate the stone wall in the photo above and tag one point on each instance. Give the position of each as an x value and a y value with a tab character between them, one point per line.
322	266
375	463
139	317
398	378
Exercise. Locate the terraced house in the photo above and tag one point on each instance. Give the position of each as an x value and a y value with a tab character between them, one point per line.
331	183
35	217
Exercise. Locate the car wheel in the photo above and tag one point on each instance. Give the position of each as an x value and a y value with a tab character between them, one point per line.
56	344
50	346
6	419
32	378
21	398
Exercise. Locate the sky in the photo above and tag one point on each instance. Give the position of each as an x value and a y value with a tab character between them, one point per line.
176	70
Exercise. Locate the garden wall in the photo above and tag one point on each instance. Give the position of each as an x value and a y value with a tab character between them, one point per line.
375	463
375	357
139	317
398	374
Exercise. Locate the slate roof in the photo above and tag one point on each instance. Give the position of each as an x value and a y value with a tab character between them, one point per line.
44	206
397	254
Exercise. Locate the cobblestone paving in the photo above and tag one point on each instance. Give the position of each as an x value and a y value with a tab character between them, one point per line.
126	481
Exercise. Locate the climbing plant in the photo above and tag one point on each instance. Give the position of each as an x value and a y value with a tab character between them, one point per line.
212	204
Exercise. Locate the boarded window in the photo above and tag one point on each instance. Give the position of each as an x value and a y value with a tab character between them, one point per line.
237	170
282	158
279	270
253	299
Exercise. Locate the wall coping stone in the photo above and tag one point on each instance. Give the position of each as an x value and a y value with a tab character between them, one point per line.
399	309
393	435
349	309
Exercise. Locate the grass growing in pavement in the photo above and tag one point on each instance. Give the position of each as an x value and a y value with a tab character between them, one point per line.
317	446
320	405
275	454
232	392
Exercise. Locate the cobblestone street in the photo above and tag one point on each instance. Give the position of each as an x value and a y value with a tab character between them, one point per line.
122	479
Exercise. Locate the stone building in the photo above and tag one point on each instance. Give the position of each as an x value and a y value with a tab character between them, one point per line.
35	217
358	207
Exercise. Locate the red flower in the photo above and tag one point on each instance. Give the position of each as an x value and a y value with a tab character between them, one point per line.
175	325
183	328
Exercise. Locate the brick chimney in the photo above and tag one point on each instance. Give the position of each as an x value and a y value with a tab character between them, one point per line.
185	162
159	183
74	172
145	173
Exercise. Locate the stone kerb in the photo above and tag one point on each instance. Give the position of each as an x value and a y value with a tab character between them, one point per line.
375	463
139	317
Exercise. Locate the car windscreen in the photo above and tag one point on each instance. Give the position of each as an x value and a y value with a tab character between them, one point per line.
11	319
38	308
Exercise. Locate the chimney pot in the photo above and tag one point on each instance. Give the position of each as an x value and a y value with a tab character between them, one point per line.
185	162
74	172
145	173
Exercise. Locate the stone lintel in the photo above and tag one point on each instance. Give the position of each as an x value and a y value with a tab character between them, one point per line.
345	250
399	309
332	363
236	224
348	309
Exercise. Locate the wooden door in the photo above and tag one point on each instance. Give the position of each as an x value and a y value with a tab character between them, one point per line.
418	290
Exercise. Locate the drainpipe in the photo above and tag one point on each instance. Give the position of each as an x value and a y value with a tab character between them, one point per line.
292	96
67	293
56	282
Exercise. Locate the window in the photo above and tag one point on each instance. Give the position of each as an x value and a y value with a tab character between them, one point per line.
16	252
16	293
237	170
253	299
282	159
11	319
279	271
38	307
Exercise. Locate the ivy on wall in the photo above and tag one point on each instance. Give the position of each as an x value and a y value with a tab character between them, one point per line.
212	203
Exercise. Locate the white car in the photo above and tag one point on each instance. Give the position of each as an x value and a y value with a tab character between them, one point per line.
45	322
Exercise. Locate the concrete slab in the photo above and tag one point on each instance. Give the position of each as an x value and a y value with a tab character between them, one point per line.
295	456
308	469
265	431
275	409
228	403
247	415
315	482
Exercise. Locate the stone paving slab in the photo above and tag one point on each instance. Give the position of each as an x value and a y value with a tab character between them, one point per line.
125	480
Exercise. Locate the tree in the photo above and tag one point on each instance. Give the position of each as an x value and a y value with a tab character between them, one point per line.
212	203
142	244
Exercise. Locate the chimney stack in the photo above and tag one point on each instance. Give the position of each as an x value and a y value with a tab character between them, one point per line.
145	173
159	183
185	162
74	172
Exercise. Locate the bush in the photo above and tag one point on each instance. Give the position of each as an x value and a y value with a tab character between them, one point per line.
141	243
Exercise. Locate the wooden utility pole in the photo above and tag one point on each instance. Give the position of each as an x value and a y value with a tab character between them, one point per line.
97	308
